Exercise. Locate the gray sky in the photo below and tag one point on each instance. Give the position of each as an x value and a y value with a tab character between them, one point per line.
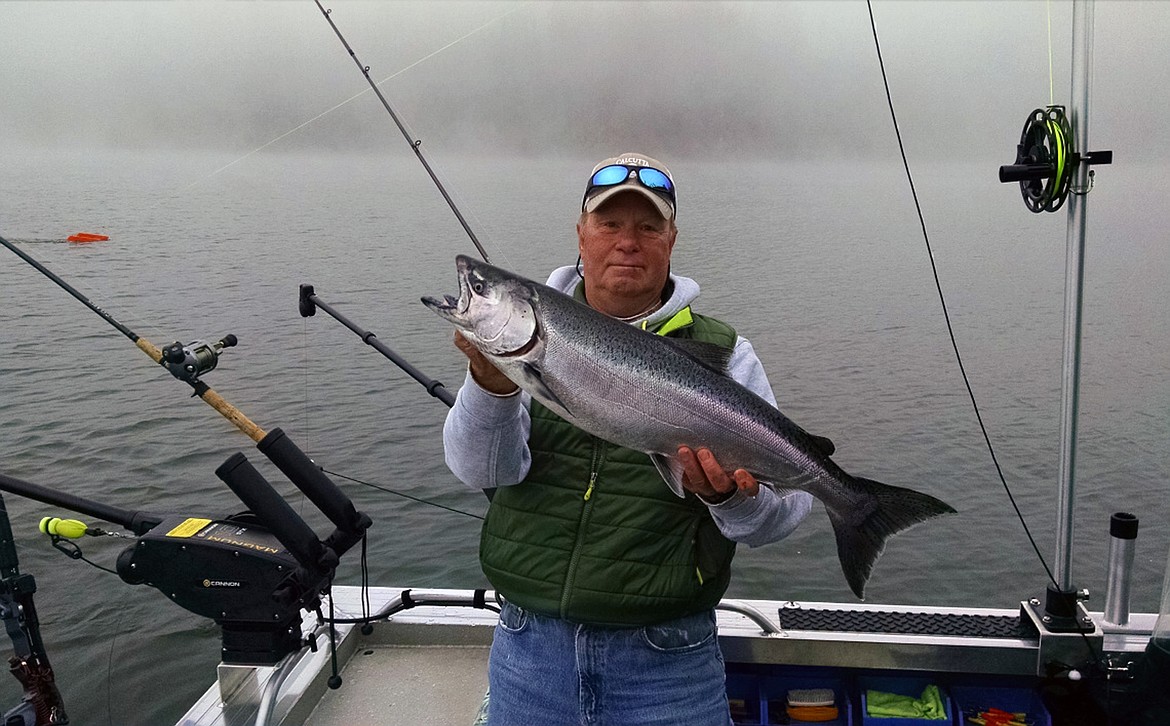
735	78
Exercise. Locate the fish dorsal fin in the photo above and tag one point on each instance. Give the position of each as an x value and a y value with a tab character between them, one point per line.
535	379
671	470
712	356
823	444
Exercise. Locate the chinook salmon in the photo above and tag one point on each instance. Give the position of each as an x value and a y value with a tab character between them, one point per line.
655	394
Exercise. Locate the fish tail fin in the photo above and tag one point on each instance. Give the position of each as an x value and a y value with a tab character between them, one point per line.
860	541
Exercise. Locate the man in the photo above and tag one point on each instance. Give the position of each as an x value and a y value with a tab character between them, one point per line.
609	579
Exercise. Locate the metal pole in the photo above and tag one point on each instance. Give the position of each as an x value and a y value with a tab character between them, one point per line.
1082	57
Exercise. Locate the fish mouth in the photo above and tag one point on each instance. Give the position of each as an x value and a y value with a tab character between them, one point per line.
451	306
448	303
448	307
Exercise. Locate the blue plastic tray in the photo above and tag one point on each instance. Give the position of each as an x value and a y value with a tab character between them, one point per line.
1005	699
774	697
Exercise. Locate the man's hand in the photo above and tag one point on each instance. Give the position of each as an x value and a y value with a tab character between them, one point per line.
483	372
703	476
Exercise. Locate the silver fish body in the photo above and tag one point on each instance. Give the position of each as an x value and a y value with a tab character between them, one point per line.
655	394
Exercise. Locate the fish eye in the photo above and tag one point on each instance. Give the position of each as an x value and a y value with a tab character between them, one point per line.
477	286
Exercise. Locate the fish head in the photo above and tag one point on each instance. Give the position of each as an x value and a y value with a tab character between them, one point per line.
495	310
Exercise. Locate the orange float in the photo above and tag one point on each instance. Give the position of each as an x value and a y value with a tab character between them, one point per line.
87	237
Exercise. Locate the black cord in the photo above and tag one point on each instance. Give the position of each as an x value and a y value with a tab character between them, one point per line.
943	300
405	496
1096	657
90	562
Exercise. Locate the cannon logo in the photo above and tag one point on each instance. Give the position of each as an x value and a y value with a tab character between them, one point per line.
222	583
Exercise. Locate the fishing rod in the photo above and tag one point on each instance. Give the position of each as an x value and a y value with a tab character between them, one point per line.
269	547
185	362
188	363
309	302
415	144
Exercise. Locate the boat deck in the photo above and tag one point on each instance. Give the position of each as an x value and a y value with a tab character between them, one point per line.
428	664
419	684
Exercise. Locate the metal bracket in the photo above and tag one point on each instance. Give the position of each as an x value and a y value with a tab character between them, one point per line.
1064	648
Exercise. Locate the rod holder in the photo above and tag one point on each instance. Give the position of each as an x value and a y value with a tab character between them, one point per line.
274	512
308	477
1123	530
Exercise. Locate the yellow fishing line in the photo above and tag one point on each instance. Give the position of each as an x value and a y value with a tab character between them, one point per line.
1051	92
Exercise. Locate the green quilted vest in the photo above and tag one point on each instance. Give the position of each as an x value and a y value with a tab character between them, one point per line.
593	534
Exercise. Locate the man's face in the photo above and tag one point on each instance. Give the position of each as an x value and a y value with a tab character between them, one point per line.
625	250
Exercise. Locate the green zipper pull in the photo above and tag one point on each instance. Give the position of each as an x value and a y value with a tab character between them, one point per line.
592	481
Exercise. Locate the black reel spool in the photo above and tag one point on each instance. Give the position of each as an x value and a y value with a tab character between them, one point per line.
1044	160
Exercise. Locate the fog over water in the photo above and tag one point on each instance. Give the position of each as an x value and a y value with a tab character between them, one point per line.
742	79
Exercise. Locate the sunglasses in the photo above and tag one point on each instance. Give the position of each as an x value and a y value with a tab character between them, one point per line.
615	174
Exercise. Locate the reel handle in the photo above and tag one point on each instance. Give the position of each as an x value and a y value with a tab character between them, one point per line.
1025	172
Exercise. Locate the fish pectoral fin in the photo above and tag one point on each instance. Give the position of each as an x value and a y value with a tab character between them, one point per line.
710	355
534	378
671	469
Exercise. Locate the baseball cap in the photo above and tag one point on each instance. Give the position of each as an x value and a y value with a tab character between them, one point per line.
631	172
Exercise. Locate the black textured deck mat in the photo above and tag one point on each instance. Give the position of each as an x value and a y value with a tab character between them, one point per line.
871	621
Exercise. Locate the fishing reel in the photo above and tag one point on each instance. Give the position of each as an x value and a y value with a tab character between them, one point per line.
188	362
1046	160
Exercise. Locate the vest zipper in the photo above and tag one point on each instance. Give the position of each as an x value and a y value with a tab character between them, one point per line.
582	524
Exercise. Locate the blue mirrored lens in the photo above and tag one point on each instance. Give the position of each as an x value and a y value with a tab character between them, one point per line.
609	176
655	179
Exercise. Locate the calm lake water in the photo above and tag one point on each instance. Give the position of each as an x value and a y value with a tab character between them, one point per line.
821	265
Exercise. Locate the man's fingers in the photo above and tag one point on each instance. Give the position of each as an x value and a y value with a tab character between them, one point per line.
704	476
715	474
482	370
691	469
746	483
465	345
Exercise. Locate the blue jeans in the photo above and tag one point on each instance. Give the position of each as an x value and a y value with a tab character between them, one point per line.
548	672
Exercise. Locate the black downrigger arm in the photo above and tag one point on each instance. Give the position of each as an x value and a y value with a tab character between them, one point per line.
309	302
136	522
